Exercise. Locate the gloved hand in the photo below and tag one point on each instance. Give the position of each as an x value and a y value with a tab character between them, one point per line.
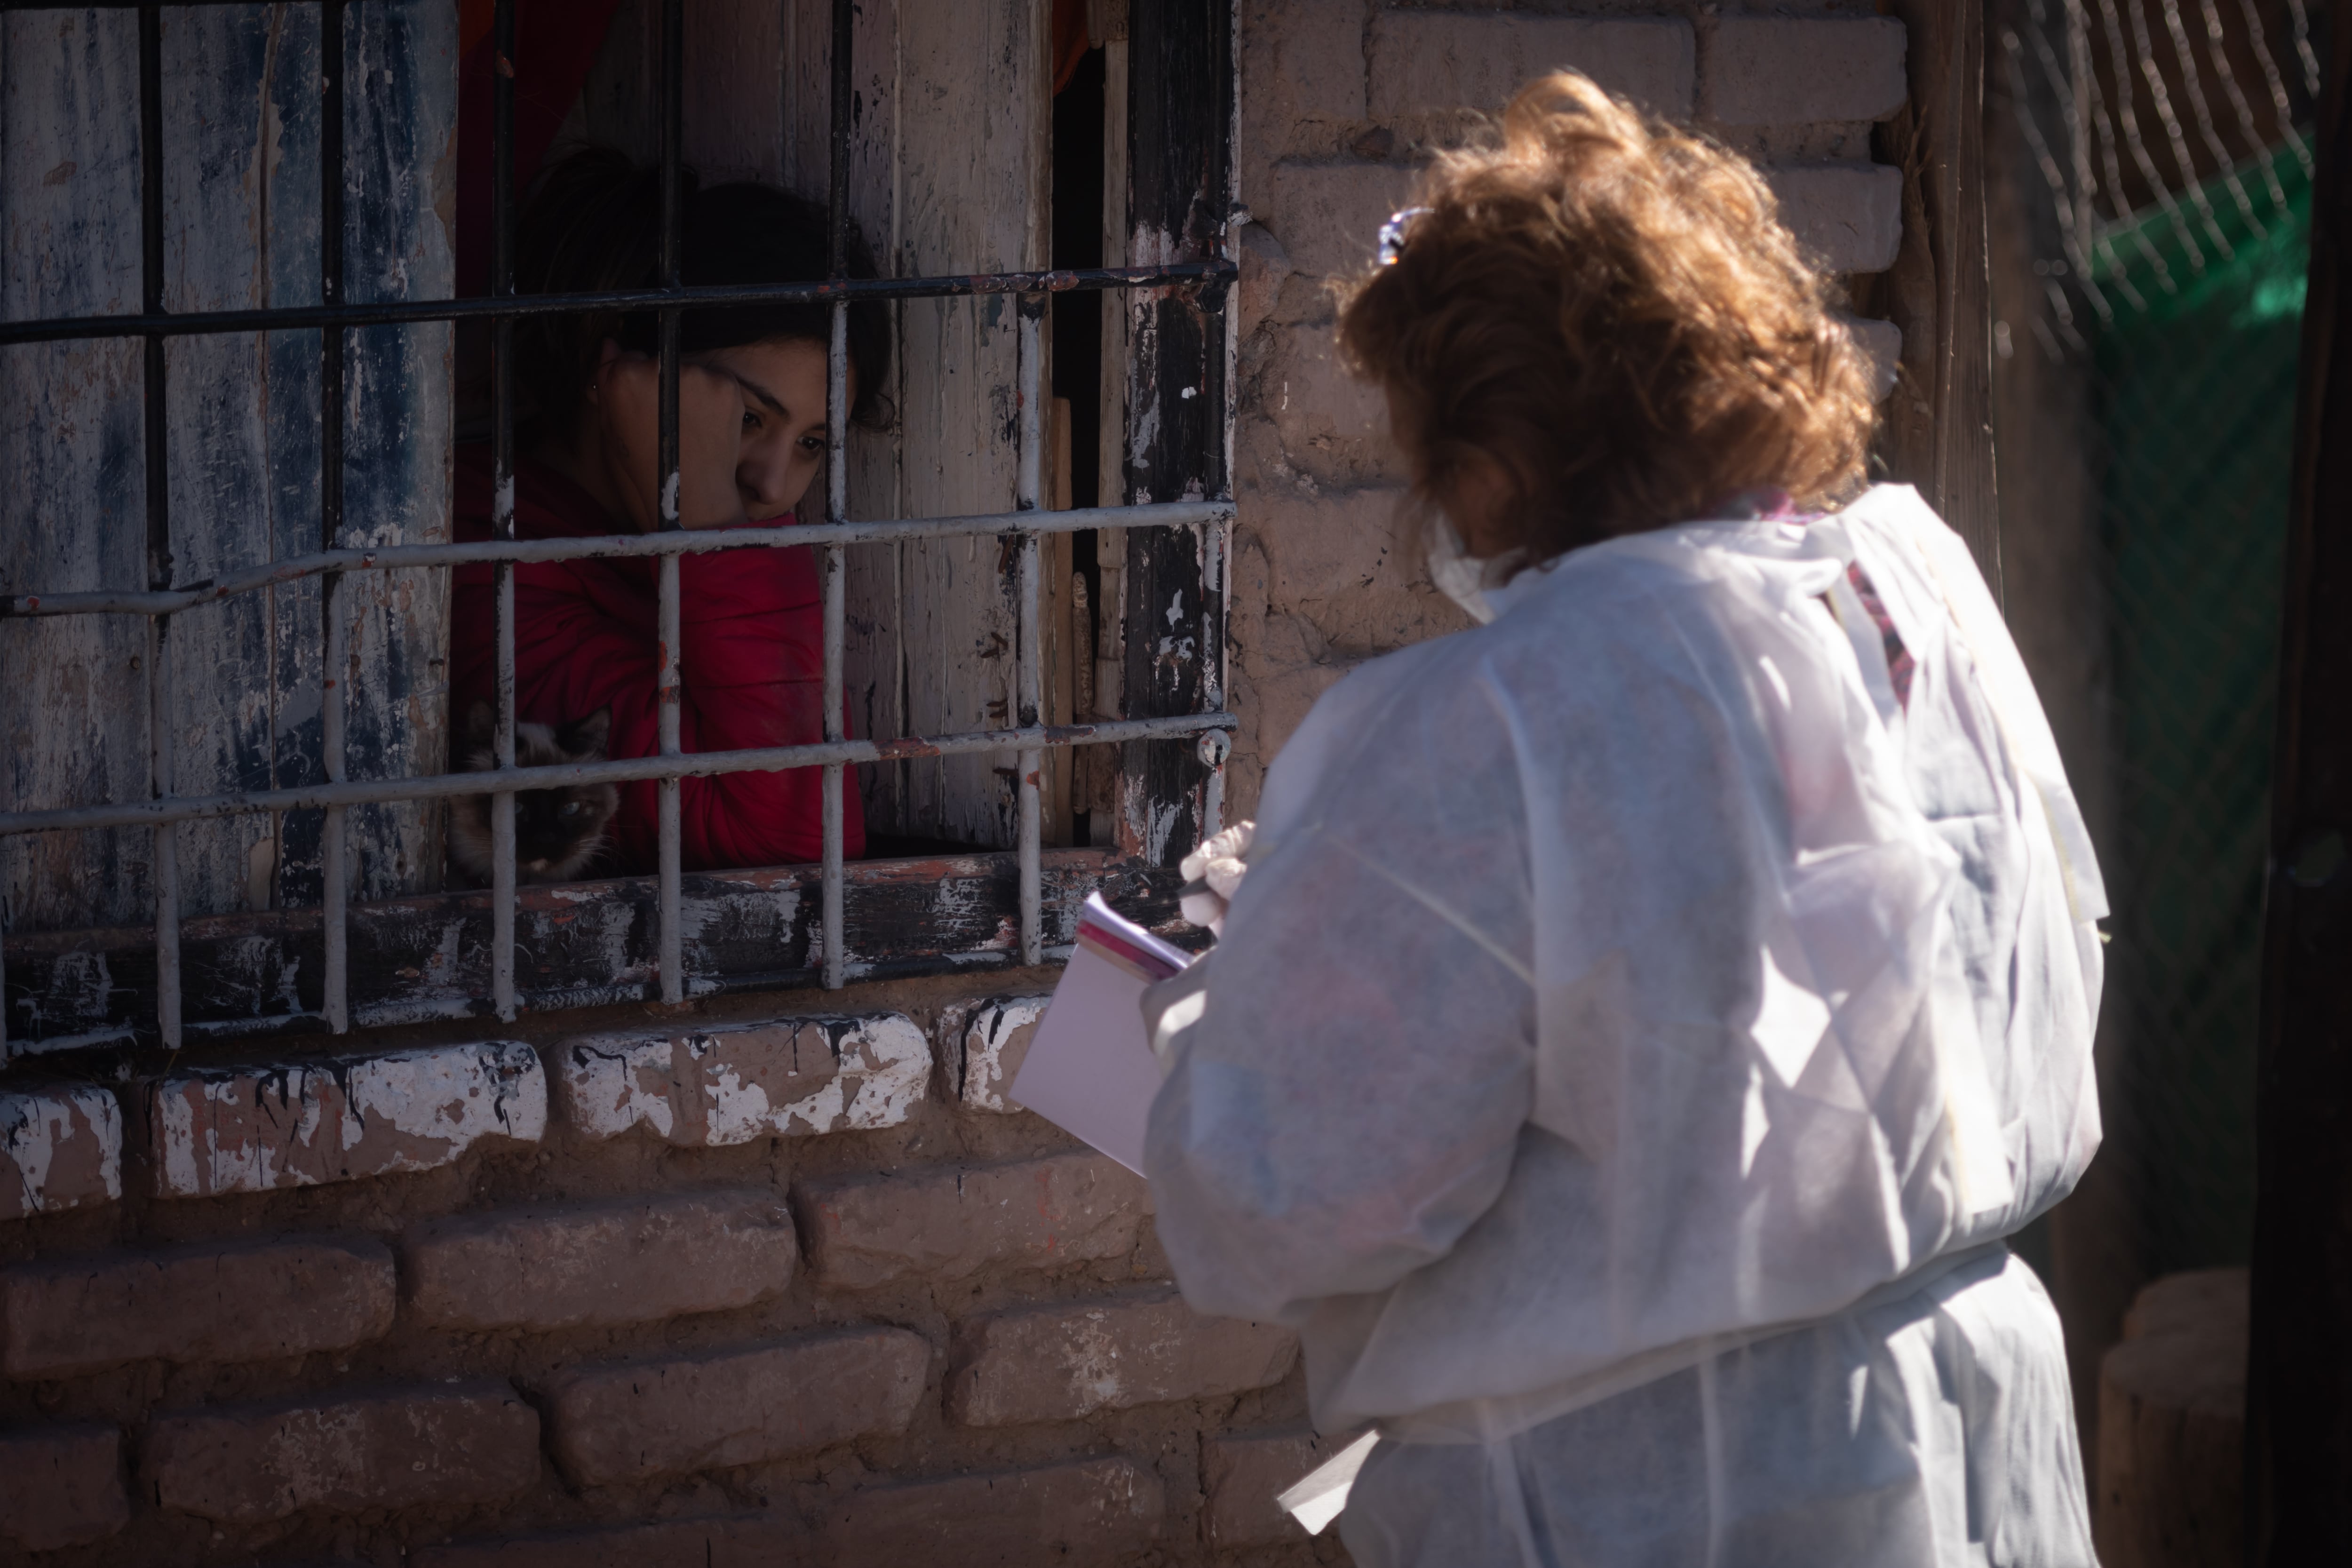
1213	872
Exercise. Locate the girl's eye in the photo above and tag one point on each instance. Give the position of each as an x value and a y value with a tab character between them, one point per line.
751	420
811	443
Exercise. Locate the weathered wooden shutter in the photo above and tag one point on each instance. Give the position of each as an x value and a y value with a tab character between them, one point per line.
241	199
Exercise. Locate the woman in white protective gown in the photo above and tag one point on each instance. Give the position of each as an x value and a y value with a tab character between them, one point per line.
1644	1015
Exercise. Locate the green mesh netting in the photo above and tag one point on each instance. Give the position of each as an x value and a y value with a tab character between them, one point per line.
2196	388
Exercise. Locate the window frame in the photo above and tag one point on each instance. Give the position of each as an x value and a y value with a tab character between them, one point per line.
1177	539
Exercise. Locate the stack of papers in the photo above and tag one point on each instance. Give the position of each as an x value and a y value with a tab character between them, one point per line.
1090	1070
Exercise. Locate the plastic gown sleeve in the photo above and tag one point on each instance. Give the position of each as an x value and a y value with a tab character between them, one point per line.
1349	1102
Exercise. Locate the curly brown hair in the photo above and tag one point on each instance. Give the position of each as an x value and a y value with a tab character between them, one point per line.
1598	325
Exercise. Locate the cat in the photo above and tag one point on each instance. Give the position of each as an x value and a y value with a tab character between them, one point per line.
557	831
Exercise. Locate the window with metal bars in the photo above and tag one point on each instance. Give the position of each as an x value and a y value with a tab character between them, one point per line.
495	953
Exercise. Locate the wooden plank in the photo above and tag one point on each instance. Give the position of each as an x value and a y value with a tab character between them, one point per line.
579	944
971	178
241	185
1179	179
2299	1385
1937	433
72	694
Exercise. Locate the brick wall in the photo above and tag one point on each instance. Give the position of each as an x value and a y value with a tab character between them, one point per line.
765	1283
746	1287
1341	100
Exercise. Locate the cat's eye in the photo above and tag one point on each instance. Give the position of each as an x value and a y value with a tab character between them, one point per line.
573	809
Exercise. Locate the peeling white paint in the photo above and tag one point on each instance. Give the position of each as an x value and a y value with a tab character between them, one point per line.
59	1148
788	1078
298	1125
991	1049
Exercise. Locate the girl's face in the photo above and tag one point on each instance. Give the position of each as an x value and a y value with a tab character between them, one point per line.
781	447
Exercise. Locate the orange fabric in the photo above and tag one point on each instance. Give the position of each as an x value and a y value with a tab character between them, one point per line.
1070	40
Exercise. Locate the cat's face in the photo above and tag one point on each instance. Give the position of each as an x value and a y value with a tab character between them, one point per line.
559	831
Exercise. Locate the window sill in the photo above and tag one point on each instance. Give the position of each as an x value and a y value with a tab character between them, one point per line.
579	944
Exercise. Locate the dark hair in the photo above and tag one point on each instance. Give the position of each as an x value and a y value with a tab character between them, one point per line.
595	223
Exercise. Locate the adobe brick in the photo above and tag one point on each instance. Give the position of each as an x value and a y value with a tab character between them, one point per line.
713	1088
947	1222
468	1443
61	1486
1847	217
1070	1359
60	1148
630	1420
1244	1472
1328	216
1074	1515
986	1049
1306	75
243	1301
630	1261
340	1118
1439	60
725	1541
1778	70
1334	426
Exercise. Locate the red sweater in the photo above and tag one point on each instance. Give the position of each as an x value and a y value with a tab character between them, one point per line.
751	671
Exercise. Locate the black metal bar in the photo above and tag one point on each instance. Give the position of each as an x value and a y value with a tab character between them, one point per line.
672	240
1185	275
124	4
164	878
844	16
150	289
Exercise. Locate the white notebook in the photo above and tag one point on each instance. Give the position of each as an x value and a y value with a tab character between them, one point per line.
1090	1070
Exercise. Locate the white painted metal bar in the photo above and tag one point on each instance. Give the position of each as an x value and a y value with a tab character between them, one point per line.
403	313
503	504
669	893
334	669
503	802
830	569
628	769
167	836
1027	627
399	557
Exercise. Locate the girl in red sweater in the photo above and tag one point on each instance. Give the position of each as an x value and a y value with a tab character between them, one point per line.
751	440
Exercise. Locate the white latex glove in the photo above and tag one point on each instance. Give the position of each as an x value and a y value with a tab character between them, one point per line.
1218	863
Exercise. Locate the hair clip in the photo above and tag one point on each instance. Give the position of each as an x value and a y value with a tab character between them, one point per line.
1392	234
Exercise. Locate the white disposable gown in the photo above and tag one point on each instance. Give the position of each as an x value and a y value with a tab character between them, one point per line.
1630	1041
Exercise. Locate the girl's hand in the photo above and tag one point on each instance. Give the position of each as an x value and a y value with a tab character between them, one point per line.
711	416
